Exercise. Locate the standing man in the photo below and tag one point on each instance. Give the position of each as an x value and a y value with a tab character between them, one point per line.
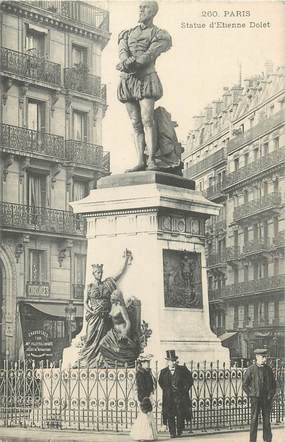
140	87
175	381
259	384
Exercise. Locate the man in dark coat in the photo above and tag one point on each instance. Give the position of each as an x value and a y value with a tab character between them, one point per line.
259	384
175	381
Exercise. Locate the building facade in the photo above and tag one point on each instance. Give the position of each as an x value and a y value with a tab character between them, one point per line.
235	153
52	104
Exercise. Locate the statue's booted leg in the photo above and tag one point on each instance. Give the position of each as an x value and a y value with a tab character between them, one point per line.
147	117
134	112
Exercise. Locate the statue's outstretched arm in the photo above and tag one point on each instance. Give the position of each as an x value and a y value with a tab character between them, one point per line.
128	259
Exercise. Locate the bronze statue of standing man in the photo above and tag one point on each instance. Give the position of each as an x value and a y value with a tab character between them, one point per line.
140	87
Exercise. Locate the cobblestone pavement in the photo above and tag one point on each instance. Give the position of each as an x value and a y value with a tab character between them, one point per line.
20	435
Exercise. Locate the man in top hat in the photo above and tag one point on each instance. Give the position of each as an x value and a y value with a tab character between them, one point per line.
175	381
259	384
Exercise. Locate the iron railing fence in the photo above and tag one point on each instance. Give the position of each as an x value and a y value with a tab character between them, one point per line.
28	66
103	399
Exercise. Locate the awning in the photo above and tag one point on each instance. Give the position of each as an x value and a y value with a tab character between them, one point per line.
227	335
54	309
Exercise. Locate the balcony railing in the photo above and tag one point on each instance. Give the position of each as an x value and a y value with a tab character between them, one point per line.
232	253
258	130
77	11
256	167
206	163
215	191
37	289
267	202
78	291
215	294
79	80
29	66
257	246
267	284
216	259
41	219
27	140
85	153
279	240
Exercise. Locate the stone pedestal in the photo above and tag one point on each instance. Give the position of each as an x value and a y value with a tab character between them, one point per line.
161	219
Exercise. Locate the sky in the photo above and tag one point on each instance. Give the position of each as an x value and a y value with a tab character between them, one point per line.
200	63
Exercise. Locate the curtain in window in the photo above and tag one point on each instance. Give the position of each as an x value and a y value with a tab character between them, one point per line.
79	190
37	190
79	269
38	266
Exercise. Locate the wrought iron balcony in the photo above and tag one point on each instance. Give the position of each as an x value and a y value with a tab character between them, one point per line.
27	140
215	191
268	284
255	207
78	291
257	246
84	153
273	159
257	131
232	253
41	219
30	67
208	162
36	289
279	240
79	80
216	260
77	11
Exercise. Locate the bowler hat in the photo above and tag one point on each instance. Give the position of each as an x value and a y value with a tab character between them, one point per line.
260	351
170	355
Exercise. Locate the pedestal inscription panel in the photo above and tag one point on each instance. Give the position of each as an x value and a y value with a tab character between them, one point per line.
182	279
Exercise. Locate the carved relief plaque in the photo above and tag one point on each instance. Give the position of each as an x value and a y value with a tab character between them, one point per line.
182	279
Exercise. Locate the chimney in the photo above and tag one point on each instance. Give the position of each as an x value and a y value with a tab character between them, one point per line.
268	68
209	113
236	93
197	121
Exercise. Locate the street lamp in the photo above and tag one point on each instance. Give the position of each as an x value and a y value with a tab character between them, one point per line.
70	312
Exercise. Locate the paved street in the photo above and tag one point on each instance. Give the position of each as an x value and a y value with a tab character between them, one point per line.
19	435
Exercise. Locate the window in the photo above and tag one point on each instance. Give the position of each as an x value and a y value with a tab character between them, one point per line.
35	42
36	115
80	126
265	230
251	122
245	235
276	143
276	185
80	189
270	312
265	188
37	266
265	149
255	153
264	269
79	269
236	239
276	266
236	164
55	328
245	196
79	56
245	273
275	225
235	275
271	109
36	190
246	157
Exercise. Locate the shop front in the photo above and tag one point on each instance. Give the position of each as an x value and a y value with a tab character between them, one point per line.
47	328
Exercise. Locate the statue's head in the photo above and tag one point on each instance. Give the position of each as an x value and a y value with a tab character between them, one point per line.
148	10
97	271
117	297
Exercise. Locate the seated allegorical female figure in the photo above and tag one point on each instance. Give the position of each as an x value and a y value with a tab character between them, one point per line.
97	308
118	346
